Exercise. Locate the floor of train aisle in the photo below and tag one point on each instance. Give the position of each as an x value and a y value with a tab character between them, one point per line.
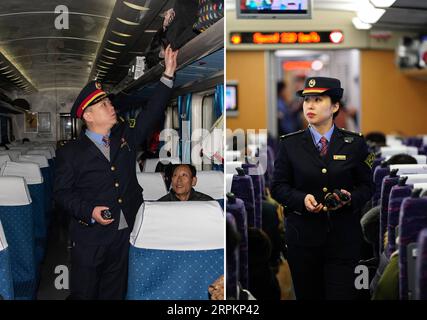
54	284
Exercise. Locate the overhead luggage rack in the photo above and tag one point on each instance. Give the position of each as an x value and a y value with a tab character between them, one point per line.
204	44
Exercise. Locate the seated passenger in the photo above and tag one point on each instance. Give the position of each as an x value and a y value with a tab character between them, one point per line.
183	180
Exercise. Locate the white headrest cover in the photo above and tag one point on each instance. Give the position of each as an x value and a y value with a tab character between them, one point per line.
41	160
14	191
409	168
211	183
228	182
230	167
150	164
50	149
153	185
28	170
389	151
42	152
414	178
420	185
13	154
4	158
179	225
3	242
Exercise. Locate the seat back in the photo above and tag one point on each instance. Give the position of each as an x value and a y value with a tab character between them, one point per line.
388	183
243	188
397	195
236	207
211	183
177	250
16	215
379	174
250	170
232	261
413	218
31	172
421	267
47	179
152	184
6	282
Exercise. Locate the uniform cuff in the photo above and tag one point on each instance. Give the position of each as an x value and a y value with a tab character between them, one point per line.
167	82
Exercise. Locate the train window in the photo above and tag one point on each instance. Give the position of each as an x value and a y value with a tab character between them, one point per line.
65	127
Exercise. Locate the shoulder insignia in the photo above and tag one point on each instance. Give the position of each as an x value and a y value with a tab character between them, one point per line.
132	123
291	134
359	134
370	159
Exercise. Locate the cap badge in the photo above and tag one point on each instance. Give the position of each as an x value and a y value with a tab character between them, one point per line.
312	83
98	85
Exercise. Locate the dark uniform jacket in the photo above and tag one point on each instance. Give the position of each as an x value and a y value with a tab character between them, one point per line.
194	196
84	178
300	170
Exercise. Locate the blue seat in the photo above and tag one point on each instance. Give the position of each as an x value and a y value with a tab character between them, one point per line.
379	174
176	250
421	268
388	183
397	195
34	179
236	207
48	183
413	219
6	282
16	215
254	172
232	262
242	187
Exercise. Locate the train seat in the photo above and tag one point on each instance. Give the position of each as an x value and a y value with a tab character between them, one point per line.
397	195
6	282
153	185
31	172
413	219
176	251
236	207
232	262
421	267
243	188
16	215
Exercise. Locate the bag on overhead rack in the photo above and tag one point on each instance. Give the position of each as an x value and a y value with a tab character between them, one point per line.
180	29
177	30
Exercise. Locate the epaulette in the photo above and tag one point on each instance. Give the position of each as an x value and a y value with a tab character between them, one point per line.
359	134
291	134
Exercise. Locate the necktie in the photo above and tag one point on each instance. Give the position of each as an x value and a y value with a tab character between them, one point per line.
106	141
324	146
